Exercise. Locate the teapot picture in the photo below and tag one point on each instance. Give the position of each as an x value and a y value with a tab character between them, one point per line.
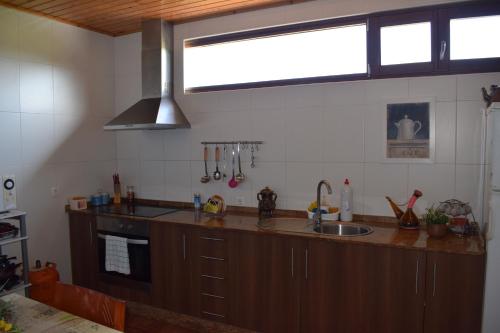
407	128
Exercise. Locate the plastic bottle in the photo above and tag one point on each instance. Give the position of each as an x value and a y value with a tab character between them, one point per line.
346	202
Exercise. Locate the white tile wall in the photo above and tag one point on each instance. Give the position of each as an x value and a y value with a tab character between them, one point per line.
331	130
57	139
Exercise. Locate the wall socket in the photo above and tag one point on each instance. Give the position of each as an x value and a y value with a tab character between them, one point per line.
53	191
240	201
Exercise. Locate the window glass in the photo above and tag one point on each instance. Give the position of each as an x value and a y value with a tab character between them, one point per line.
405	44
474	37
326	52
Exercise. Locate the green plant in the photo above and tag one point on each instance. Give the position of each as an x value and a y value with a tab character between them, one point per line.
434	216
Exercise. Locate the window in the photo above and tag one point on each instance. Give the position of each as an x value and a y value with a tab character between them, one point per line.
402	43
467	38
471	38
450	38
304	55
405	44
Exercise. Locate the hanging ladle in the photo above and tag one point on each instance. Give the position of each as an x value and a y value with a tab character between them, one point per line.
206	177
232	182
240	177
217	174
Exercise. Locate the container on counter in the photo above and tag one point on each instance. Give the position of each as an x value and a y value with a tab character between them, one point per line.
130	196
197	201
346	202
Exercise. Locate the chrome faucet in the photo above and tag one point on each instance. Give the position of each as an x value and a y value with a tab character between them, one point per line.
317	216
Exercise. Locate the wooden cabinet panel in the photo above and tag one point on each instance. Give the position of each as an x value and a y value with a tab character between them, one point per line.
171	250
264	295
357	288
83	243
454	293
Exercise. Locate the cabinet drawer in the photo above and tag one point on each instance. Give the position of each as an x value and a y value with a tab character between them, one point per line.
212	267
213	307
213	286
213	247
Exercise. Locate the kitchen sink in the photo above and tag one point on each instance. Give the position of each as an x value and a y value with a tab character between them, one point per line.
343	229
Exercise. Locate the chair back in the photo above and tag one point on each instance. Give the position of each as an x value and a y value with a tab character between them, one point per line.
89	304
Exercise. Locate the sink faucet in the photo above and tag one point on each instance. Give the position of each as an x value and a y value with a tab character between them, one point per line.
317	216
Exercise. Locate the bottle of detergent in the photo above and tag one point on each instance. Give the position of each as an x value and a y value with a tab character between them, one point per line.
346	202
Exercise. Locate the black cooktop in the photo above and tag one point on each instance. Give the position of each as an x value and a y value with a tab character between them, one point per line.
141	211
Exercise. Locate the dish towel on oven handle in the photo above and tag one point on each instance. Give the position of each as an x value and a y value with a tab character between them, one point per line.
117	258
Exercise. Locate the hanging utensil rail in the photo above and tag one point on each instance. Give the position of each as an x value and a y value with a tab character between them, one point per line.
243	143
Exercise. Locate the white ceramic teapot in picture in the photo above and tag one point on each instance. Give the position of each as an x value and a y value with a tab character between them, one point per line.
408	128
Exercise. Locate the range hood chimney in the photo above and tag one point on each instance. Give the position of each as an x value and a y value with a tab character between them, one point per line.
157	109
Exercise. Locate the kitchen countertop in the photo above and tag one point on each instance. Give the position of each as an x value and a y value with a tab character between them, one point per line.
384	234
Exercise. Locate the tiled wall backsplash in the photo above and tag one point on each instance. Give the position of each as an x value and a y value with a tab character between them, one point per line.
332	131
56	91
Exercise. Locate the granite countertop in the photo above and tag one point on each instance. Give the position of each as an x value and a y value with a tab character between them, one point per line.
384	234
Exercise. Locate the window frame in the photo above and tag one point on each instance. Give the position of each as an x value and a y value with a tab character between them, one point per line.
439	16
276	31
465	10
377	22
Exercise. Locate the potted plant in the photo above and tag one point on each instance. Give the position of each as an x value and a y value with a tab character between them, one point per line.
436	222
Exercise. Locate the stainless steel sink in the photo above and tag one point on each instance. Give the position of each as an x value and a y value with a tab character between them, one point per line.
343	229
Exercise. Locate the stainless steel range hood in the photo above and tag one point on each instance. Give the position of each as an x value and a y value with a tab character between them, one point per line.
157	109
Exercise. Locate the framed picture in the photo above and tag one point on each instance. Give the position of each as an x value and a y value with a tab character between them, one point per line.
409	130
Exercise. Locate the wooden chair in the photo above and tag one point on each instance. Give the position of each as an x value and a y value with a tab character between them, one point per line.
89	304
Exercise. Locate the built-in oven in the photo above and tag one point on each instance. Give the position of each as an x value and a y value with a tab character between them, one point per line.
138	246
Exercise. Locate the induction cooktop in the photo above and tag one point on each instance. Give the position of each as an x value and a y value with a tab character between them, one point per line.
140	211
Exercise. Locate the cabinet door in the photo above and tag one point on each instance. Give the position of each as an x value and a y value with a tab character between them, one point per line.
170	266
358	288
454	297
83	243
265	291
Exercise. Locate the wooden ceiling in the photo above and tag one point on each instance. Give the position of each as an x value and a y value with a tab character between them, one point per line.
120	17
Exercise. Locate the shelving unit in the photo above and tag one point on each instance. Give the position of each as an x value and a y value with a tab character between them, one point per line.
23	239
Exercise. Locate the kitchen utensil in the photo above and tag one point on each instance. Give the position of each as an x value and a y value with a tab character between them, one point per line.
406	128
267	202
206	177
117	192
240	177
232	182
224	163
252	164
217	174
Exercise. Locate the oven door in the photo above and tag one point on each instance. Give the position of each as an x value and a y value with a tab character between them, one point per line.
139	256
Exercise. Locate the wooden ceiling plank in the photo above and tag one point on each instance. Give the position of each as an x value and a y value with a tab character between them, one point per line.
117	17
42	4
69	6
160	11
173	5
36	13
223	5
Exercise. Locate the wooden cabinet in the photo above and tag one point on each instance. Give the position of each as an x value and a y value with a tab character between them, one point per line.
266	279
454	295
171	266
269	282
347	282
83	243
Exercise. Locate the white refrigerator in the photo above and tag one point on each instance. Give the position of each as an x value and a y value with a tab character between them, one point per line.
491	311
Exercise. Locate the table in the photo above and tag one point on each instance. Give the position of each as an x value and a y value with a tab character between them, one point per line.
35	317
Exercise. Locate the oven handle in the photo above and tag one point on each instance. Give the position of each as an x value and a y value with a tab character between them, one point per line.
129	241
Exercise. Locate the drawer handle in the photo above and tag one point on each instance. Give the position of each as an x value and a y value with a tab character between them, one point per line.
129	241
213	314
212	258
292	263
416	278
434	281
212	277
213	296
184	246
212	239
